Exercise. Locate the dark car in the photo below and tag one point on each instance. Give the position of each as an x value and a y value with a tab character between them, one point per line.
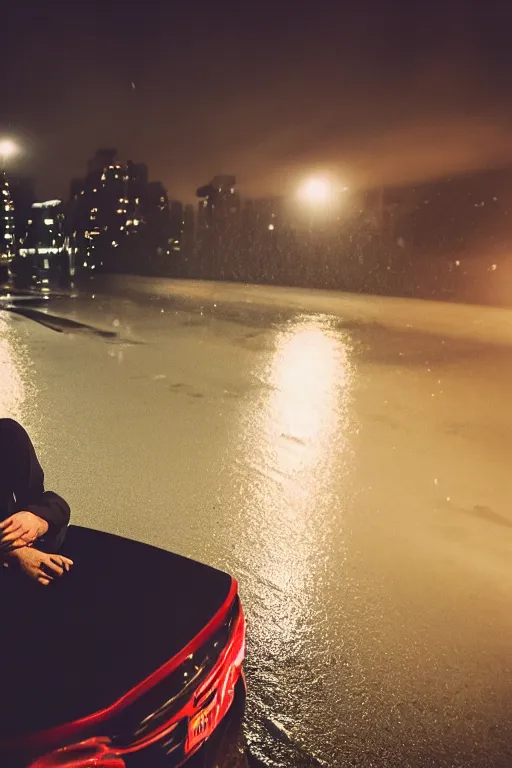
137	651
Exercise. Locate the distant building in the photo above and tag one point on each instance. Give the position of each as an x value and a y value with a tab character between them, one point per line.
263	215
176	227
7	222
45	244
119	219
451	214
23	195
189	223
220	204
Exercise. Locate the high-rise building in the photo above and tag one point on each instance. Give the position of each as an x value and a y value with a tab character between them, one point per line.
264	215
7	222
118	217
176	227
23	195
45	245
220	203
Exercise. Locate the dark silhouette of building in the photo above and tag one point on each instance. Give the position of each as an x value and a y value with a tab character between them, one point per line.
23	195
452	214
45	246
220	203
7	222
119	219
218	228
176	227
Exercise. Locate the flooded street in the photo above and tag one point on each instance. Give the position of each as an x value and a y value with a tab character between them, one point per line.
350	468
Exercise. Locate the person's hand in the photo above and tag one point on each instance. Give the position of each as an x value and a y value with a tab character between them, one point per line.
40	566
21	530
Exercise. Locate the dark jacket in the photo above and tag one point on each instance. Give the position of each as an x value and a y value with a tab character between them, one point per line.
22	481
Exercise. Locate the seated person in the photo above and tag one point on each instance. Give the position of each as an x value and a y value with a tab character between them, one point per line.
33	521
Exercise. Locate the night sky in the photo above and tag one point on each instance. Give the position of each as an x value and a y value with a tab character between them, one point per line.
374	91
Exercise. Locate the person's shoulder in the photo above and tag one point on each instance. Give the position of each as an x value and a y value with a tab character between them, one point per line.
10	427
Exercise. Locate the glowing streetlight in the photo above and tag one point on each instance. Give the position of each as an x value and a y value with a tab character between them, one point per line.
316	191
8	148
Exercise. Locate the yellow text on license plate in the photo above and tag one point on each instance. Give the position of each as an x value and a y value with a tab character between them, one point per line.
202	724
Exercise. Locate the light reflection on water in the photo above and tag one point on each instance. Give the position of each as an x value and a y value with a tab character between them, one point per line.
12	368
296	441
300	420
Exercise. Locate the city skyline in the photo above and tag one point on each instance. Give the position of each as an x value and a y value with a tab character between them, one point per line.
374	94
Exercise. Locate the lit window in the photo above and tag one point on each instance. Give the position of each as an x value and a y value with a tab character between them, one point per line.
48	222
85	263
114	244
103	176
95	190
94	210
30	221
271	227
162	199
8	236
137	200
135	222
129	222
5	192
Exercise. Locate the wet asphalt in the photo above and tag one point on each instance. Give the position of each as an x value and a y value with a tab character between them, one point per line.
353	473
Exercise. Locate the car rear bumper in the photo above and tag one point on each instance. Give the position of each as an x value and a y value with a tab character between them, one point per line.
180	735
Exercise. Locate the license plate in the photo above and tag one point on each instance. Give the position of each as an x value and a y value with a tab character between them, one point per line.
201	725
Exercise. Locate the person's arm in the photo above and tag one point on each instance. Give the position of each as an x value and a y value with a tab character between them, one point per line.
27	478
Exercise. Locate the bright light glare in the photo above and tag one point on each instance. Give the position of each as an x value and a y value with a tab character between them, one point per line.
317	190
8	148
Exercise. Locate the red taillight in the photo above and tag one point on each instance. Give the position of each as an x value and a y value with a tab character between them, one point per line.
93	753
